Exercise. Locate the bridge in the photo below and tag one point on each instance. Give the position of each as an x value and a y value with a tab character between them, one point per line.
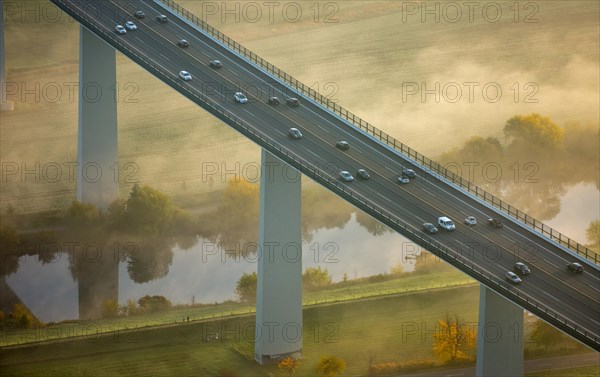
567	301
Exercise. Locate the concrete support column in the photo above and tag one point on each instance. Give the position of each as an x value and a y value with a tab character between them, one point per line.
500	337
97	179
279	288
97	281
5	104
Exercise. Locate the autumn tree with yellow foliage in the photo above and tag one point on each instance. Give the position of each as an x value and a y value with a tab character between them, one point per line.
330	366
453	339
289	365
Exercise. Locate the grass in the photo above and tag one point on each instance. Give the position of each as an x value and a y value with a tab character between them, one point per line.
350	330
589	371
390	328
69	329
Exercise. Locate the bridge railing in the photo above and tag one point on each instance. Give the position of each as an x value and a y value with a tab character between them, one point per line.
444	252
365	126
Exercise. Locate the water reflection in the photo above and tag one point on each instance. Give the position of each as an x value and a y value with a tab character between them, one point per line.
62	288
203	274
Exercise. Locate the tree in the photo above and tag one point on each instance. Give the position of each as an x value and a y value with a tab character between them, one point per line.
330	366
245	287
534	130
154	303
110	309
150	260
234	222
82	215
397	269
372	225
316	278
9	250
24	317
476	152
147	212
545	335
593	233
452	339
289	365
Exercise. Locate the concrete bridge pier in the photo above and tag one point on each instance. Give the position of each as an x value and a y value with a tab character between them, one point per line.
5	104
279	286
500	342
97	178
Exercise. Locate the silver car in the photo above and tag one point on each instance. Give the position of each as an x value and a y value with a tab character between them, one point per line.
346	176
240	97
295	133
120	29
471	220
185	75
513	278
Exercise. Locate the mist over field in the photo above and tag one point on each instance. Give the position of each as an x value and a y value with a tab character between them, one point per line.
419	79
449	85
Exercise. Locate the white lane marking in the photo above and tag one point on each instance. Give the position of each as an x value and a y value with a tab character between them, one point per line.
360	140
549	295
313	153
384	197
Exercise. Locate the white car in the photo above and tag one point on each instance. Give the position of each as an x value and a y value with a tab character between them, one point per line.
120	29
346	176
130	25
446	223
403	180
471	220
295	133
513	278
185	75
240	97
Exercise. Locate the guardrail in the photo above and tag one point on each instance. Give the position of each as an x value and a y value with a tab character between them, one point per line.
331	183
412	154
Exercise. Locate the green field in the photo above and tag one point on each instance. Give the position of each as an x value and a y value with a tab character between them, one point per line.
351	331
66	330
591	371
362	61
393	328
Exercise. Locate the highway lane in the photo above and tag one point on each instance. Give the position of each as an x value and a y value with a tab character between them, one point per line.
424	199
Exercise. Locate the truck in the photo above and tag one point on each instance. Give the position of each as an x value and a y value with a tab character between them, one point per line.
446	223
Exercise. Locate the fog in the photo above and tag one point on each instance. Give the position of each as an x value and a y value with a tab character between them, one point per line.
376	62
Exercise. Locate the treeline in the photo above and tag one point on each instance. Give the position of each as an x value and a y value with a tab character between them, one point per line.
533	165
317	278
146	304
235	218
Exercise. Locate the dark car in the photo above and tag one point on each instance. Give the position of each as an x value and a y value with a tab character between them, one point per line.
274	101
183	43
293	102
430	228
162	18
521	268
342	145
363	174
409	173
215	64
139	14
575	267
495	223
